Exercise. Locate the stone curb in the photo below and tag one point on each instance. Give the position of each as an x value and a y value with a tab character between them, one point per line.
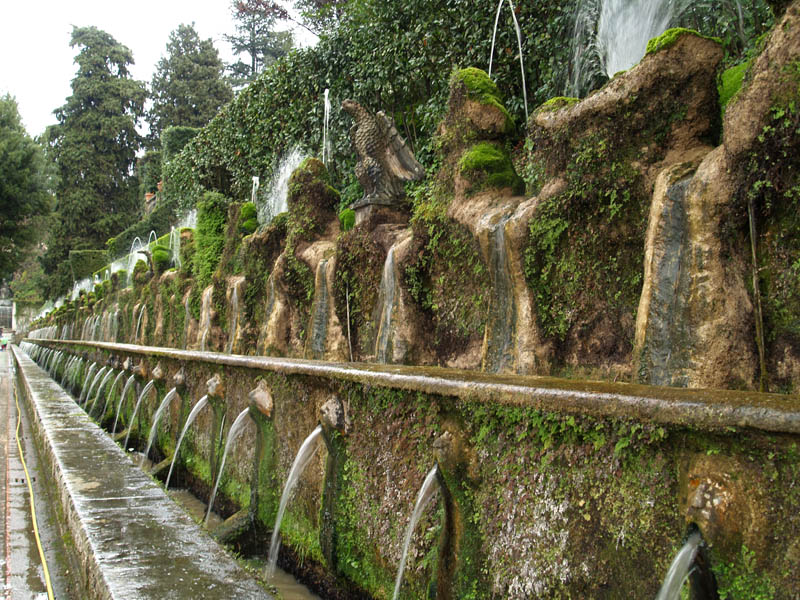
130	539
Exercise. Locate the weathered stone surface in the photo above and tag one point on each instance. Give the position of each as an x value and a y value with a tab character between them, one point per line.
719	309
675	87
661	346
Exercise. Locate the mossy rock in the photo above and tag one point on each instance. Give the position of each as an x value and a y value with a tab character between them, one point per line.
311	183
476	85
489	165
670	36
558	103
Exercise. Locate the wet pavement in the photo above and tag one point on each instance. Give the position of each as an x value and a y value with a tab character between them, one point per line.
131	540
22	570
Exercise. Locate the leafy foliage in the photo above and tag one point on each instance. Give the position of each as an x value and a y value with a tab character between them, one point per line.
188	88
23	197
94	149
212	214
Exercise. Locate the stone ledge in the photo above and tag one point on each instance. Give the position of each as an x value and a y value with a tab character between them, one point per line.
712	410
131	540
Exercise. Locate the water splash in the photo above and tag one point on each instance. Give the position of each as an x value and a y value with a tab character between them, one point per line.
519	44
301	461
189	420
424	497
610	36
274	203
156	418
150	385
680	568
125	389
235	431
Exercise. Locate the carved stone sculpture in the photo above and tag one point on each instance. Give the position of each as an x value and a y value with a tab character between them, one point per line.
384	160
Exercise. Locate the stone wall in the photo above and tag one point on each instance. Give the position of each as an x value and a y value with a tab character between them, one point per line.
548	488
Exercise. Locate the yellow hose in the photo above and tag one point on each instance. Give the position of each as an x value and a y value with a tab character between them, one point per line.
30	493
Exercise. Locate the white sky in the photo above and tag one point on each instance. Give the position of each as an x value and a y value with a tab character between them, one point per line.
37	63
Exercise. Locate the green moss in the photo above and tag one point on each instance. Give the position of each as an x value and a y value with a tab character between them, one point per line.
248	211
491	165
482	89
730	82
558	103
249	226
212	213
347	219
162	258
670	36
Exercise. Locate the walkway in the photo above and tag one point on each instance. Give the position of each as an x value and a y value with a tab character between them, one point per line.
131	540
22	572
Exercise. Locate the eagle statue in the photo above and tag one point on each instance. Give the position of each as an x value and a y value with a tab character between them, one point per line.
384	159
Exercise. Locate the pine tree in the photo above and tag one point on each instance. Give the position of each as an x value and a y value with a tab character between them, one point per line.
188	87
94	148
255	36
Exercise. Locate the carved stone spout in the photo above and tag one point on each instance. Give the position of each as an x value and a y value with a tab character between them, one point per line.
216	387
261	399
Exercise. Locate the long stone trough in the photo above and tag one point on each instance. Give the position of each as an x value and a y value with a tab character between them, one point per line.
546	487
131	540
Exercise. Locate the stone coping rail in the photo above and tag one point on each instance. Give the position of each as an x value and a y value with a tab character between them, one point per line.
701	409
131	540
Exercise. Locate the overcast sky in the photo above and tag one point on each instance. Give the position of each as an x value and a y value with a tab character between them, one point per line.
37	63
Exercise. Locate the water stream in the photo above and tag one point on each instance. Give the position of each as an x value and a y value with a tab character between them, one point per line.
326	152
150	385
88	382
234	319
502	313
99	391
301	461
168	397
110	393
386	302
680	568
519	44
125	389
205	317
235	430
189	420
319	316
97	379
424	497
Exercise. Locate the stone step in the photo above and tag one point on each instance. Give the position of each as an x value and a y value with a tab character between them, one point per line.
130	539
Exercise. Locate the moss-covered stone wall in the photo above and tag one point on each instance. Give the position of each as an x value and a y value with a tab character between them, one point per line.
548	490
